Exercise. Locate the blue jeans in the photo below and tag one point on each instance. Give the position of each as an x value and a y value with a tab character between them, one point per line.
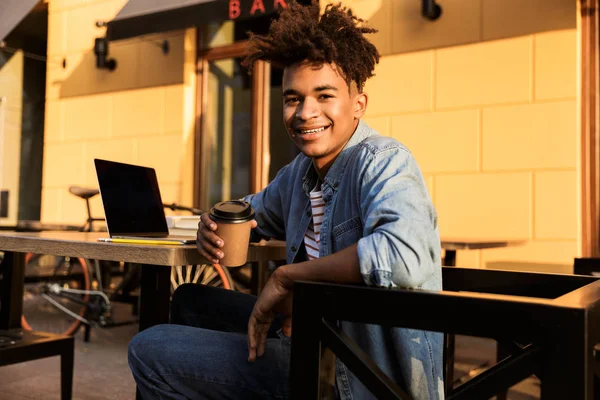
203	352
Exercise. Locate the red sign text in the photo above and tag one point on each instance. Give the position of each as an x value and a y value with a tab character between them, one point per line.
253	7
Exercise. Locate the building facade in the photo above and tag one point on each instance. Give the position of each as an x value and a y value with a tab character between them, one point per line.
486	97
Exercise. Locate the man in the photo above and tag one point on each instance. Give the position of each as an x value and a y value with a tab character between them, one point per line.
352	208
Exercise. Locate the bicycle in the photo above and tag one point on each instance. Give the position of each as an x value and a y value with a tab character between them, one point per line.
62	293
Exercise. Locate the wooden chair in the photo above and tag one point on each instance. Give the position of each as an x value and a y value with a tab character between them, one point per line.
591	266
547	345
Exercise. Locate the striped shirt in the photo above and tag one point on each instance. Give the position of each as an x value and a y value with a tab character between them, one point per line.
312	237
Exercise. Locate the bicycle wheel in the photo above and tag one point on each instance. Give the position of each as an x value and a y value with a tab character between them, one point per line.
205	274
45	306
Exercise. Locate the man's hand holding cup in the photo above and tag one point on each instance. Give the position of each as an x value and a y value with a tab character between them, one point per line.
224	233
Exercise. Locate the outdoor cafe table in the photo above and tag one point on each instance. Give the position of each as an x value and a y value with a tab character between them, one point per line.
155	284
451	245
155	280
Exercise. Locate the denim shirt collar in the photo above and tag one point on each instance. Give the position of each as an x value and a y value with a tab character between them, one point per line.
334	175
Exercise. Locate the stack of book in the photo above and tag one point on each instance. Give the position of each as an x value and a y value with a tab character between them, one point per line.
183	225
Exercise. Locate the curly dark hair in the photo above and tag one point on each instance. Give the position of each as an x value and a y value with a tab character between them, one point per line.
300	34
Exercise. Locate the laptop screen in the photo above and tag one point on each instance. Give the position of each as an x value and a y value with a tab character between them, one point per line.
131	199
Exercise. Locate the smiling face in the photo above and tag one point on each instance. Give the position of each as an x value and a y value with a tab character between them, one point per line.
320	112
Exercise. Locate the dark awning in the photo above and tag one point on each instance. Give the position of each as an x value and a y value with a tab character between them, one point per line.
140	17
135	8
12	12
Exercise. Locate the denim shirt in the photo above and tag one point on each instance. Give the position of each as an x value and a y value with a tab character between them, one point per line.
375	195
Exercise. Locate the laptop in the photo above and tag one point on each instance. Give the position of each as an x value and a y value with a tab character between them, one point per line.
132	205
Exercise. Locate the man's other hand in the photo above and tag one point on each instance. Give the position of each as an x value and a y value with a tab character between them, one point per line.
275	297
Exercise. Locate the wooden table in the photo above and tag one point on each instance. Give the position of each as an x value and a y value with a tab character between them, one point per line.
156	262
451	245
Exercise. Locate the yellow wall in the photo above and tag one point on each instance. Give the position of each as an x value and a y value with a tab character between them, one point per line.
140	113
485	98
11	88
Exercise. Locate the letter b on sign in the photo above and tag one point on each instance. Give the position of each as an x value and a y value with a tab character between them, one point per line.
234	9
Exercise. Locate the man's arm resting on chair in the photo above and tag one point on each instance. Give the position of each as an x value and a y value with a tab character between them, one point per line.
340	267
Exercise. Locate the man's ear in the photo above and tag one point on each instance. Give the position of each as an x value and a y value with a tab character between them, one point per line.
360	104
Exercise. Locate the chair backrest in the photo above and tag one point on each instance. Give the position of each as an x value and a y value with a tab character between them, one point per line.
586	266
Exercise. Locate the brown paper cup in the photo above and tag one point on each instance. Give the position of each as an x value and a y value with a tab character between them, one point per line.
236	238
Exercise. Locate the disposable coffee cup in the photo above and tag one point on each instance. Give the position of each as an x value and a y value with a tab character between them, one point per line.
233	220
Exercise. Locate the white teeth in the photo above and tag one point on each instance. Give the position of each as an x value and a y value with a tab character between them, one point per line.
313	130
